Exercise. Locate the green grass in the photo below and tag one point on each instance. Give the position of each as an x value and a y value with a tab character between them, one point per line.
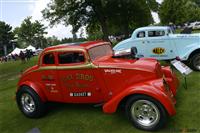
86	118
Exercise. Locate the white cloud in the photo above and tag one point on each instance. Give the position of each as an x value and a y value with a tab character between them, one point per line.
159	1
155	17
59	30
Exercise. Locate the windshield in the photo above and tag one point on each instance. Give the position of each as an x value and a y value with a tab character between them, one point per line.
100	51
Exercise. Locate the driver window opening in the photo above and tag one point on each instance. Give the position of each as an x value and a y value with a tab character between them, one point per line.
71	57
49	59
141	34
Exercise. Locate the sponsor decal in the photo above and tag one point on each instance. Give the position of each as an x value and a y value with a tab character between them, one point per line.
79	76
51	88
84	77
113	71
80	94
47	77
158	50
76	85
158	55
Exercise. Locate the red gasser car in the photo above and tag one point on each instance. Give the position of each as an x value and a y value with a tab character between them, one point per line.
89	72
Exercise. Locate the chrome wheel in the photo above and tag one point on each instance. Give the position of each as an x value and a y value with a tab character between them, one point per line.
145	113
28	103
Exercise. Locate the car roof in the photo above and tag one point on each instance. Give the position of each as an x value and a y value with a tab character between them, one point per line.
77	45
153	28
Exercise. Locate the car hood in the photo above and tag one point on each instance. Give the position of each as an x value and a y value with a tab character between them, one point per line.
119	46
143	64
186	35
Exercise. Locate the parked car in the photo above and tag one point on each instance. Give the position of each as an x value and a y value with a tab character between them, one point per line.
160	43
195	25
90	73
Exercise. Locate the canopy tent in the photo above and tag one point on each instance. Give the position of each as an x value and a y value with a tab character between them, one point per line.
30	47
16	51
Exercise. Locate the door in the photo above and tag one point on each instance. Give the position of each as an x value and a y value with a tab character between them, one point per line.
159	45
49	79
139	43
78	79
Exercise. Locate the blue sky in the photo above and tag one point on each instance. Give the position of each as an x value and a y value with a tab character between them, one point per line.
14	12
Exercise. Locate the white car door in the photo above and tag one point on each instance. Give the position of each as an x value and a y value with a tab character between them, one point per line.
159	45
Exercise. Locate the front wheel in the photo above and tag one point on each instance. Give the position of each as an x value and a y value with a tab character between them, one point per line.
30	103
146	113
195	62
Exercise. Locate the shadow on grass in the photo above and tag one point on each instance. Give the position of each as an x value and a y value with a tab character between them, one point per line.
54	108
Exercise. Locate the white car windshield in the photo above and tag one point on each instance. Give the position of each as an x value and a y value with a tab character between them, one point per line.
100	51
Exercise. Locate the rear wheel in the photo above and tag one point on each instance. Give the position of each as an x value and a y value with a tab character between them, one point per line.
30	103
195	62
146	113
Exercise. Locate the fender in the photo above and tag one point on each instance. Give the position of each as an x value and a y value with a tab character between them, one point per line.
190	48
165	100
36	87
121	45
171	79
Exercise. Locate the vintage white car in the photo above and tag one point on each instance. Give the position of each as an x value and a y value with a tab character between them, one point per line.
159	42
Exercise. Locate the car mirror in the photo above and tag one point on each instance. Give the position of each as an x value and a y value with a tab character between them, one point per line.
133	52
127	53
122	53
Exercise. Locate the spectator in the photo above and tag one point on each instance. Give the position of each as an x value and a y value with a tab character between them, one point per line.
22	56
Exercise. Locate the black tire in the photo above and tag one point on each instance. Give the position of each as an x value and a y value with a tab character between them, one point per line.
27	95
194	62
158	123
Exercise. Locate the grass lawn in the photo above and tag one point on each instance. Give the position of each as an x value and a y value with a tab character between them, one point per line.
86	118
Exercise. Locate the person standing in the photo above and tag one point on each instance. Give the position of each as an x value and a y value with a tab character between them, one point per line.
22	56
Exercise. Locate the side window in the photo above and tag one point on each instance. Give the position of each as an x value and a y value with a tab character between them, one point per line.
141	34
71	57
156	33
49	58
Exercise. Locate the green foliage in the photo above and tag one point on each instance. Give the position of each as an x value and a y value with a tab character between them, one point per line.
31	33
52	41
104	17
71	40
6	35
179	11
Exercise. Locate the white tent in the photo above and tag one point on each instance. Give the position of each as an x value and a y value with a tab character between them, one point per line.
30	47
16	51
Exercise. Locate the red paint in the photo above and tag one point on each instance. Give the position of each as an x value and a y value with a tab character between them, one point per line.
108	80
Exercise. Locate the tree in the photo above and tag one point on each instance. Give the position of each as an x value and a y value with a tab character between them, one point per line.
6	36
31	33
197	2
53	41
130	14
193	11
109	15
179	11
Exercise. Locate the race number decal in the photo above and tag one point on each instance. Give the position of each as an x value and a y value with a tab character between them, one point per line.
158	50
